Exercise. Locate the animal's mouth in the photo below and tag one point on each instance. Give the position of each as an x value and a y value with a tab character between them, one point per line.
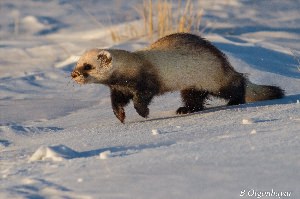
75	74
78	77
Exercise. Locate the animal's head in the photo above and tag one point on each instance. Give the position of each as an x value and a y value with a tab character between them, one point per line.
94	66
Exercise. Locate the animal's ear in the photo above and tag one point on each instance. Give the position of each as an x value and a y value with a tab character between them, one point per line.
104	57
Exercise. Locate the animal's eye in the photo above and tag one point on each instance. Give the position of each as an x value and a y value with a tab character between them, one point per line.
87	67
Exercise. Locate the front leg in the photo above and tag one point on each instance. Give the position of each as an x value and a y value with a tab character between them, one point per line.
141	100
119	100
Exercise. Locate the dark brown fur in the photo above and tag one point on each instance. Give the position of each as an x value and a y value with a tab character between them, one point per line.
140	90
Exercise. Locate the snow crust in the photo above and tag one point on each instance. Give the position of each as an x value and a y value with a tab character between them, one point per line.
62	140
54	153
104	155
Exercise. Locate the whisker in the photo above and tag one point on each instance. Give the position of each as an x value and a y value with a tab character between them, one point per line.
68	83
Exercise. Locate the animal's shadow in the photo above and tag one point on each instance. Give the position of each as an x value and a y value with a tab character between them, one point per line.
116	151
27	129
120	151
286	100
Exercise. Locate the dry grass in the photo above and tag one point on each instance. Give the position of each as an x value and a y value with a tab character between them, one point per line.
297	59
125	32
160	18
16	16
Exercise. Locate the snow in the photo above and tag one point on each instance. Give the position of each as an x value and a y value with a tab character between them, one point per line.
62	140
248	121
155	132
104	155
253	132
54	153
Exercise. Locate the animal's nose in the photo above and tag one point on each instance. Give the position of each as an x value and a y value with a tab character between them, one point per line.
75	74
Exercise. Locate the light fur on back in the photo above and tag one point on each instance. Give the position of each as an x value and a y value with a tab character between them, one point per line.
179	70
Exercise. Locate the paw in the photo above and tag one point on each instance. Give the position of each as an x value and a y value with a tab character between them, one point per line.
182	110
142	111
120	114
186	110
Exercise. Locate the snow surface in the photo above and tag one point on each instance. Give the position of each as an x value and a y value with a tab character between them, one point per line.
61	140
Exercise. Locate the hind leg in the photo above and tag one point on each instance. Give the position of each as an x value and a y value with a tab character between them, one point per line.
236	101
234	93
193	101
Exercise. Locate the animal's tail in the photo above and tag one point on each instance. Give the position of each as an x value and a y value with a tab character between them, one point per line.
256	92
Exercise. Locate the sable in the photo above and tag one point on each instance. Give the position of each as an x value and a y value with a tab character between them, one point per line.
177	62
